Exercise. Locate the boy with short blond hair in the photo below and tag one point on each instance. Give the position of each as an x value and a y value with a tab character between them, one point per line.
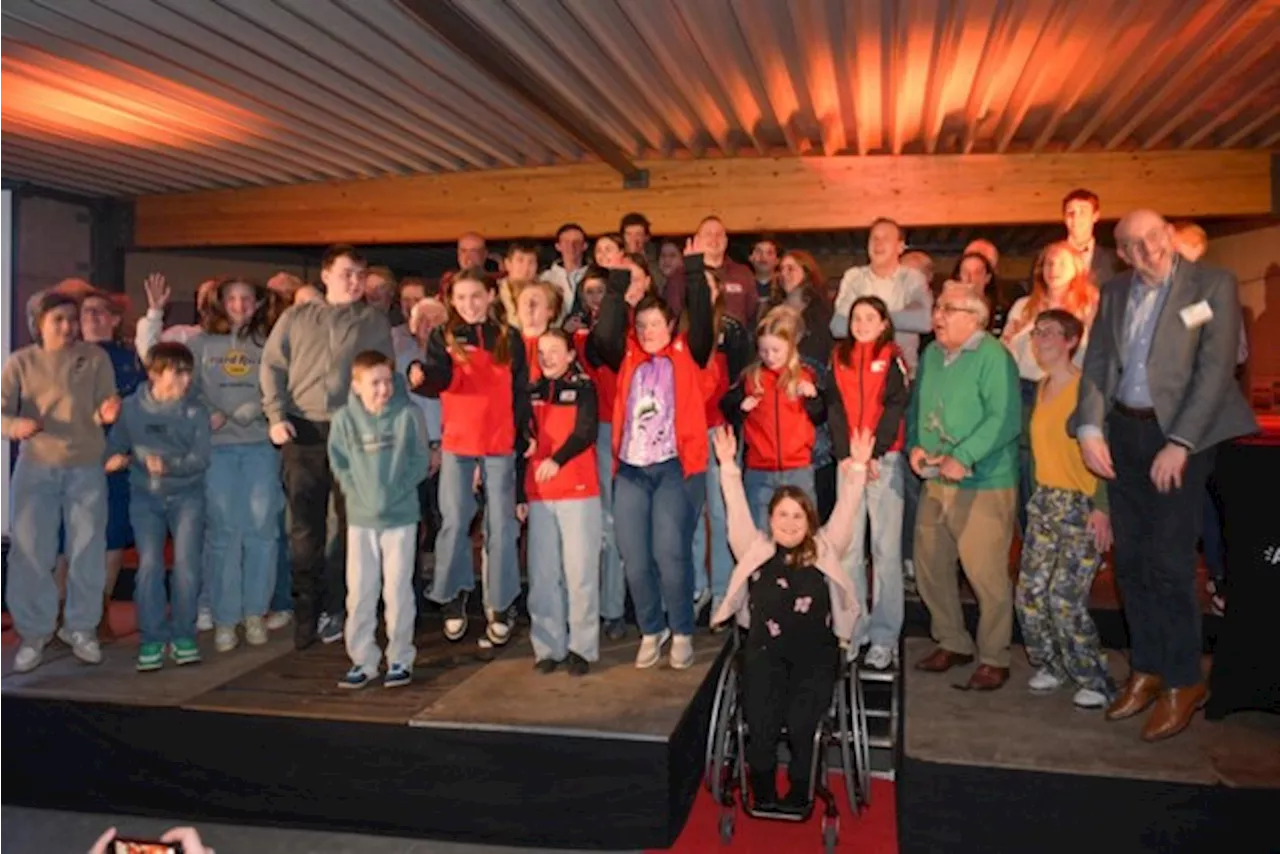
378	454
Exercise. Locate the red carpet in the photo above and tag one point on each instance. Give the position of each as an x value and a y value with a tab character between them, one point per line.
873	832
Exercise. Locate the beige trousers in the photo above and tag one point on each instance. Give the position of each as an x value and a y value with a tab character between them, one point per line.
976	526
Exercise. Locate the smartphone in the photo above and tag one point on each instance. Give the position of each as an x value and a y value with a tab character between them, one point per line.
929	472
142	846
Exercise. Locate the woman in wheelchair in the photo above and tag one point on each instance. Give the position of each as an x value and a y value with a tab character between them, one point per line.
798	608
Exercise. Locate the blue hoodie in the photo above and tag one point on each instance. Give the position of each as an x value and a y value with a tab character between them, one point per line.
379	460
177	431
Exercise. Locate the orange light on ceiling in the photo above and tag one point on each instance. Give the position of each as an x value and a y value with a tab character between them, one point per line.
82	103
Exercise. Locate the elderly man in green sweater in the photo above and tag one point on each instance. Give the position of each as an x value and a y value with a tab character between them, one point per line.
963	424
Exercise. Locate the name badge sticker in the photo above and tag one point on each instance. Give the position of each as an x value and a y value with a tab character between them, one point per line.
1196	315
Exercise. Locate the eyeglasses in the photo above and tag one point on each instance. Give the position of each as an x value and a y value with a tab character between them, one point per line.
948	309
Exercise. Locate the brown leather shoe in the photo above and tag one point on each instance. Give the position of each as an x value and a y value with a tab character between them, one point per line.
1137	694
988	678
1173	711
941	660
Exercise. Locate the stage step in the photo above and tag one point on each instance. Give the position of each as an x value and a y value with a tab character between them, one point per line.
882	691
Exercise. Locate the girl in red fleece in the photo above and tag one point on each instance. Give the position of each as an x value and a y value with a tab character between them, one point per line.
476	365
537	304
870	377
779	406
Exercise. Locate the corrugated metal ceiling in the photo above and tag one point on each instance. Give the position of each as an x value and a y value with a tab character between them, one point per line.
126	97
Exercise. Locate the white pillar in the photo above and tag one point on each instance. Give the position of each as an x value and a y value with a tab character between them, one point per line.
5	341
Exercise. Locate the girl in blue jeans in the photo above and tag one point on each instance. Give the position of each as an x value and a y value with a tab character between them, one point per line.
660	444
475	363
243	496
56	395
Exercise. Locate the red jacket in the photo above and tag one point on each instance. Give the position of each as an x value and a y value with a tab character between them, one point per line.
732	354
602	376
873	395
564	428
484	405
780	431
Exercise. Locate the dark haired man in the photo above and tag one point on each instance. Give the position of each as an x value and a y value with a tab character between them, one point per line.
305	376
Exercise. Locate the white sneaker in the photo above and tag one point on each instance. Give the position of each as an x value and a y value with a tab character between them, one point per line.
277	620
29	657
255	631
84	645
224	639
1087	698
879	657
1044	682
204	620
651	649
499	629
681	652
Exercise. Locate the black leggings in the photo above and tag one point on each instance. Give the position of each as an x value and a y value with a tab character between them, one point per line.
782	688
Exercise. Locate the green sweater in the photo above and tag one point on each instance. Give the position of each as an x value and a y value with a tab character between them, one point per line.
969	409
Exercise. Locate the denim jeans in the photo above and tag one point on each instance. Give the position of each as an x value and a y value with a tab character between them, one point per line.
41	497
242	531
721	562
564	582
613	584
882	502
153	517
455	568
655	508
760	486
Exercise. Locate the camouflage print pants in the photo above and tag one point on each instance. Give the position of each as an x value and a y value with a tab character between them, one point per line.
1059	561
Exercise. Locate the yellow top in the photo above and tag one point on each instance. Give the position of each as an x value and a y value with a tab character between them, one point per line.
1058	462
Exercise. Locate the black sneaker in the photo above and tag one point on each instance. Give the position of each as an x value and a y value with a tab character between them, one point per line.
455	618
578	666
546	665
764	791
797	800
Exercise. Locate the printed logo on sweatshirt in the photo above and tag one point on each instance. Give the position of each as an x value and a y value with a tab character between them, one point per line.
879	366
236	363
372	443
569	395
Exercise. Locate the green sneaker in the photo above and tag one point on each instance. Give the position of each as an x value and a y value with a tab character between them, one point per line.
185	651
150	656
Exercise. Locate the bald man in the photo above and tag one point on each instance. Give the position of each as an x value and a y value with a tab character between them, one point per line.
1157	394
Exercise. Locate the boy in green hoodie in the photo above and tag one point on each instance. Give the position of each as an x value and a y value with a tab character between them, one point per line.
377	451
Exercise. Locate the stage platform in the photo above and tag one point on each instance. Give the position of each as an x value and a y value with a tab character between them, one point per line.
480	748
1009	771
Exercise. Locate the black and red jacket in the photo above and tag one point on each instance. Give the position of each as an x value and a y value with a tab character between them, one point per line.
565	424
604	378
731	356
779	433
870	392
484	405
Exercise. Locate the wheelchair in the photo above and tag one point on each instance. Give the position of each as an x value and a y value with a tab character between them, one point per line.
844	726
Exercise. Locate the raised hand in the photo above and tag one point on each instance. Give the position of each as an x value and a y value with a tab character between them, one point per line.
725	445
693	246
157	290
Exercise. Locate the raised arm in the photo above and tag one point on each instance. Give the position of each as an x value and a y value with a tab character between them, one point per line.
437	366
701	334
608	340
851	477
741	527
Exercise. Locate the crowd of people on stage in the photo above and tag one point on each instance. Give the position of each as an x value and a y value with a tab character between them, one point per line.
644	419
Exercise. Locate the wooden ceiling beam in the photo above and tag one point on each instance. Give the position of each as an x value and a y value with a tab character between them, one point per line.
749	194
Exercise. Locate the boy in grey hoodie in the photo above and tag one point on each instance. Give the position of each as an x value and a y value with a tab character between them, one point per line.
162	437
305	374
378	454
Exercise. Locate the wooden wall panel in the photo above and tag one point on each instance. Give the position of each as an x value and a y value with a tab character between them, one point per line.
750	194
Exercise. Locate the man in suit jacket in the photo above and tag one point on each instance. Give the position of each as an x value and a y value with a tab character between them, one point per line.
1157	394
1080	213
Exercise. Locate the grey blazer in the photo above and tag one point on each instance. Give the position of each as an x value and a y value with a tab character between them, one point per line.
1191	372
1106	264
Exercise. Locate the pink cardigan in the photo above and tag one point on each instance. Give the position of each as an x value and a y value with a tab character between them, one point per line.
753	548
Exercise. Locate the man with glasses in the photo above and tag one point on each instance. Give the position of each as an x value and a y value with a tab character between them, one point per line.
963	425
1158	392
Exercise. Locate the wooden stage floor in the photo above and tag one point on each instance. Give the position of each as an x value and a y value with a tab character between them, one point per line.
479	748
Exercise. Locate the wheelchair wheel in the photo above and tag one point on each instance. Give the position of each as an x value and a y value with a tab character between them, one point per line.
726	827
725	756
725	683
847	739
861	737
